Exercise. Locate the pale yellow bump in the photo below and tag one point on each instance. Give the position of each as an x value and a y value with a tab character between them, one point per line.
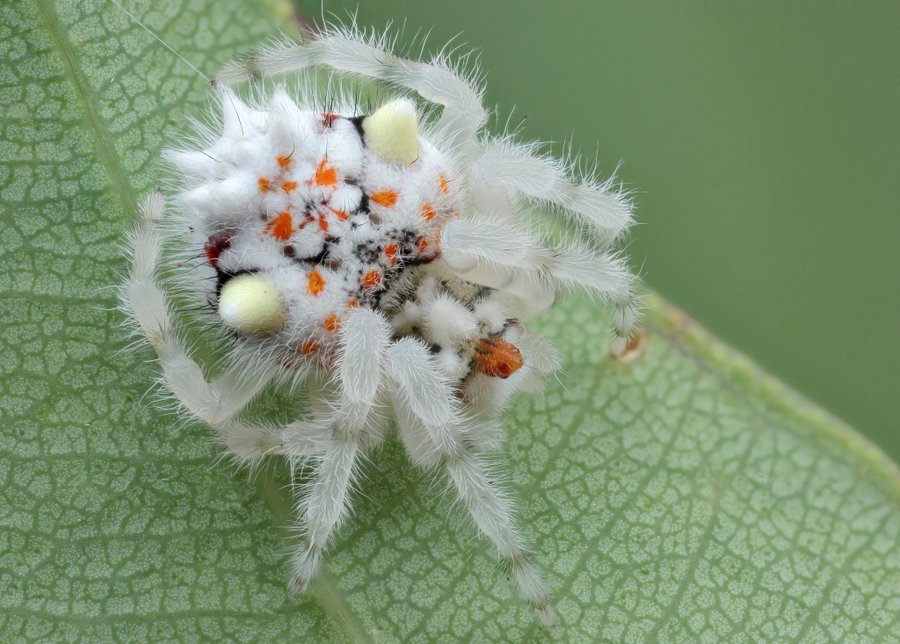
392	131
251	304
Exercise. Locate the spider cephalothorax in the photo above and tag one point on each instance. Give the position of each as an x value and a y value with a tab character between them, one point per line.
378	261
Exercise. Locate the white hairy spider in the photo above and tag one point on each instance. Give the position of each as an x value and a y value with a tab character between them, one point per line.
380	263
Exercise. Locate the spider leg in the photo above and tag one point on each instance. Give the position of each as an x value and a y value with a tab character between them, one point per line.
510	253
300	439
462	116
323	504
434	431
493	513
213	402
424	397
365	336
605	210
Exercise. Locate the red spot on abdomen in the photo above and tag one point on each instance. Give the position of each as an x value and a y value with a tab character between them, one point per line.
390	251
332	322
215	245
308	347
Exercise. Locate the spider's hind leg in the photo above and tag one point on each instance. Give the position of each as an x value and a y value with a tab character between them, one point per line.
493	513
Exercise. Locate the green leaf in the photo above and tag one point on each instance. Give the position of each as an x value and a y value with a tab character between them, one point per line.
684	496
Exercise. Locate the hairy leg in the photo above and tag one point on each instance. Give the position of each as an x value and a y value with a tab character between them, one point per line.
462	116
323	505
493	513
213	402
427	414
603	208
423	394
251	443
365	336
508	251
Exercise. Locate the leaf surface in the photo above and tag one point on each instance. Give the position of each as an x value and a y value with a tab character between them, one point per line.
685	496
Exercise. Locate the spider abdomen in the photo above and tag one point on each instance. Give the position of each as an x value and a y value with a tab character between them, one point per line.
320	206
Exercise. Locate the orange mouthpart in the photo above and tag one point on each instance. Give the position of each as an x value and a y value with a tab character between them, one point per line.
497	358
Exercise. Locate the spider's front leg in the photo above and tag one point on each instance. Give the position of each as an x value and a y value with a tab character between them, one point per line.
365	336
434	430
603	209
462	116
213	402
505	254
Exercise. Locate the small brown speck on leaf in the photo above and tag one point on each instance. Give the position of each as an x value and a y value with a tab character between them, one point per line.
634	349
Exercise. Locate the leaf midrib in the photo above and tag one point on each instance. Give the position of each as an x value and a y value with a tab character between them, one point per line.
93	124
325	591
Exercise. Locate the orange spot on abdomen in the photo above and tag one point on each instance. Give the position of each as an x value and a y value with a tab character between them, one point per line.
443	186
264	184
326	175
428	212
497	358
289	186
309	347
315	283
390	251
332	322
283	161
386	198
282	227
372	279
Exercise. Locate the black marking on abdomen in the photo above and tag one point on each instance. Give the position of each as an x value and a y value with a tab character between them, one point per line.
358	124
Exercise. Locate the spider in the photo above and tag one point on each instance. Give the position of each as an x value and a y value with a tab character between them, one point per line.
379	264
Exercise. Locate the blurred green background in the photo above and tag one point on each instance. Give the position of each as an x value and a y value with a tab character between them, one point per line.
763	141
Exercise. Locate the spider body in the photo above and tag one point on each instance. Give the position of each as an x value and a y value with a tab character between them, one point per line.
378	264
